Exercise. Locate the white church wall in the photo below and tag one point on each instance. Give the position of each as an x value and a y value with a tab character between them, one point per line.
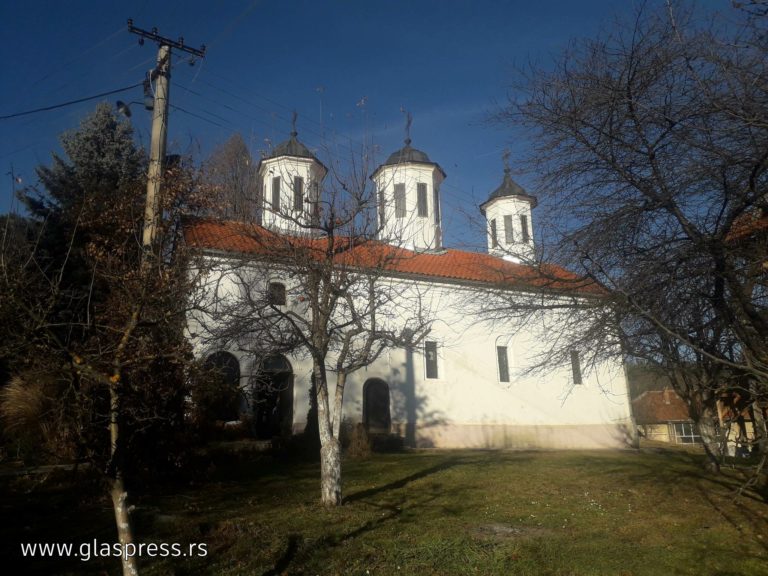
467	405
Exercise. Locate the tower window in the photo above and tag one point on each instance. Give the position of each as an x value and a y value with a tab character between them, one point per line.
430	359
399	200
524	227
509	232
494	239
576	367
382	205
315	209
298	193
276	294
276	193
421	197
436	202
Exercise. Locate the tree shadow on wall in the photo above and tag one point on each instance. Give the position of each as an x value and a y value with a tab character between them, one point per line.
410	408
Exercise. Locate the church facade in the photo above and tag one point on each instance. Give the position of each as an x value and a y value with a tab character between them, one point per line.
466	384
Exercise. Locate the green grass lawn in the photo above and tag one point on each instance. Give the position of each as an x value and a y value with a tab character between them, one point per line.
559	513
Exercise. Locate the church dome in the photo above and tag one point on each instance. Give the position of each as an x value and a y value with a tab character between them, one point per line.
291	147
509	188
409	154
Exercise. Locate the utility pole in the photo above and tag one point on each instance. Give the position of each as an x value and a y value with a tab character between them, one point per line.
162	76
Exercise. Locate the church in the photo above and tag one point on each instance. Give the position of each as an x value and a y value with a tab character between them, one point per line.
466	383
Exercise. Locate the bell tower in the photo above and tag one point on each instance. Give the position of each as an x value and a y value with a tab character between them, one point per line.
291	178
508	214
408	199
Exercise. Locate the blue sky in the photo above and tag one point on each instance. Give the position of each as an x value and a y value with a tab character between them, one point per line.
347	67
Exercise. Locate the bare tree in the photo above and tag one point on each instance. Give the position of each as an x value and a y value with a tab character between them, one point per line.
335	303
653	141
230	176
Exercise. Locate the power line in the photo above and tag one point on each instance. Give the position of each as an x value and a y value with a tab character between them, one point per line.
63	104
193	114
58	68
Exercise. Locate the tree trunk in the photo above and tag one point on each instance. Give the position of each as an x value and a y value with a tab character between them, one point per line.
713	446
330	449
338	404
119	493
124	529
330	472
760	442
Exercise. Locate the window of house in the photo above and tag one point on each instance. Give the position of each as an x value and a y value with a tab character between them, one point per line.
436	203
430	359
684	433
576	367
509	231
501	353
524	227
421	199
494	239
276	293
276	193
399	200
298	193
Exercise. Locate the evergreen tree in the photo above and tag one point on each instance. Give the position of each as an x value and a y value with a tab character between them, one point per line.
100	322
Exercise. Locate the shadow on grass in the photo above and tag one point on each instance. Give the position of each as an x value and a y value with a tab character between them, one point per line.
738	516
447	464
297	557
293	555
285	560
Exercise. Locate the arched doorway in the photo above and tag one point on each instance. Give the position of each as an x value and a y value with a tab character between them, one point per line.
227	399
376	416
273	398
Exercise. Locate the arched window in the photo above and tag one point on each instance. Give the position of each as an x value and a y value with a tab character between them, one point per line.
276	293
273	398
225	369
376	417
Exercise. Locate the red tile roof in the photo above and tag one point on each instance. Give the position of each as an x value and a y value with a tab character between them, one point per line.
659	406
448	264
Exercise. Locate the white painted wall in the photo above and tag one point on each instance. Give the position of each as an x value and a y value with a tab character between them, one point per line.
467	406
